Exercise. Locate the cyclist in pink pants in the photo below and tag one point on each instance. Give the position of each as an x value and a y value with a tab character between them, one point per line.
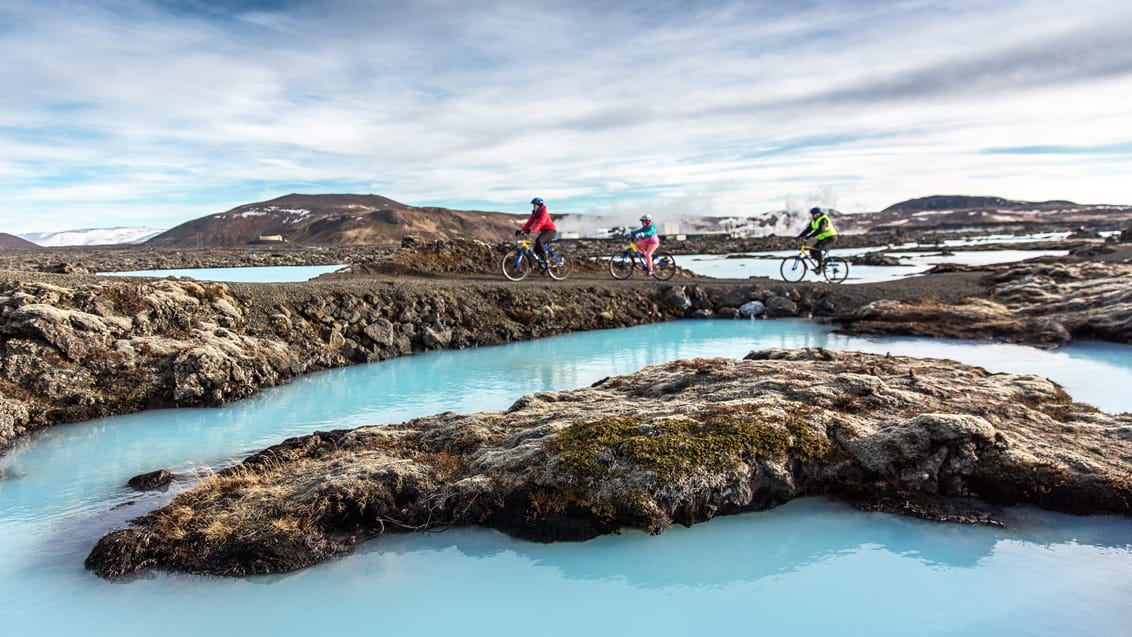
649	241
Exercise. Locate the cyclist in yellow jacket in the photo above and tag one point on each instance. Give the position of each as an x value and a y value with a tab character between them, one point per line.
821	229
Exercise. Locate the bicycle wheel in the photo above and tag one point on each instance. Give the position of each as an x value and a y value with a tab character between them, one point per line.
515	266
663	266
621	265
835	269
560	267
792	269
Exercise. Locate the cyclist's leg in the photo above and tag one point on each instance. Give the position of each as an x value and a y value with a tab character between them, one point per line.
541	240
815	251
648	246
819	250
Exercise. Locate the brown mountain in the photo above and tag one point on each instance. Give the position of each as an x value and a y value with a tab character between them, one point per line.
12	242
966	202
336	220
954	213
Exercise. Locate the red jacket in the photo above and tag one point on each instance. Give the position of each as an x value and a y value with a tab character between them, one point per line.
540	220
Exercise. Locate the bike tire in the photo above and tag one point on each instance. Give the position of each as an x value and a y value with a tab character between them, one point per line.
621	265
515	266
562	268
663	266
835	269
792	269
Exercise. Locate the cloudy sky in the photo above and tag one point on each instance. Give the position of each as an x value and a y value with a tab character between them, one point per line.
151	113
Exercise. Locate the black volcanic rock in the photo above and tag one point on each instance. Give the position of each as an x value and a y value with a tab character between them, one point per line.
153	480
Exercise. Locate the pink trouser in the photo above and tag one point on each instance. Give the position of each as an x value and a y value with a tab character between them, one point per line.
648	246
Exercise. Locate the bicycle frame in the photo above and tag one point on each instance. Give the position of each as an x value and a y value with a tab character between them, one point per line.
526	248
518	263
832	269
805	253
621	266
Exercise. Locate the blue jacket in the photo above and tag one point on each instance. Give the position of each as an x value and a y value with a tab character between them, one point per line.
645	231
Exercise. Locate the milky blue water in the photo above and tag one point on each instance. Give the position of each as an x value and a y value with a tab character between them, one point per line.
766	264
811	567
248	274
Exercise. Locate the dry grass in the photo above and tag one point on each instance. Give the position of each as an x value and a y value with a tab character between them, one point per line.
172	522
291	524
218	531
445	465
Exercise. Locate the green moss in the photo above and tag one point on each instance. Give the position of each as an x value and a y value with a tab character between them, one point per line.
675	448
808	446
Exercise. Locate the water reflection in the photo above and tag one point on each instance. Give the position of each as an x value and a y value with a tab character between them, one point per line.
786	539
869	573
747	547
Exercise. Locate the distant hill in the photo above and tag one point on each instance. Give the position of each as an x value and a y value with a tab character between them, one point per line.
92	237
11	241
335	220
956	213
964	202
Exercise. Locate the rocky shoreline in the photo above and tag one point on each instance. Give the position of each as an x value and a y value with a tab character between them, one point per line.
75	347
92	259
678	443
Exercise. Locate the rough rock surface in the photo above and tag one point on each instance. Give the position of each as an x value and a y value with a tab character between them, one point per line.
158	479
75	347
676	443
1040	302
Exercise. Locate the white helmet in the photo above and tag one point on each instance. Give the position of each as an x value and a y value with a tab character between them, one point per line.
646	217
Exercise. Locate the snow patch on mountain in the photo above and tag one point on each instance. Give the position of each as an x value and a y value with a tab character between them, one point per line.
92	237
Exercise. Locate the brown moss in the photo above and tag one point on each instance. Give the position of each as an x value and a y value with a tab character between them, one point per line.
1058	405
445	465
697	364
126	299
855	403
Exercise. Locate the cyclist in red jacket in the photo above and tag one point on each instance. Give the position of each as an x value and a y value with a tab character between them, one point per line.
541	224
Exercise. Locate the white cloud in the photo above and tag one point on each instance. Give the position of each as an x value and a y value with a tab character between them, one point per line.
728	107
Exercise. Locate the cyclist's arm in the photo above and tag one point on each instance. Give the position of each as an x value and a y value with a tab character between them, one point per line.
530	222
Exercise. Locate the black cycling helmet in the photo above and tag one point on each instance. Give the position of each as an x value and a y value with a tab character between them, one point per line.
815	210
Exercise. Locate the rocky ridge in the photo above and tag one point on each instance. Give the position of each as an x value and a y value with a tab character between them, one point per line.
678	443
1044	302
76	347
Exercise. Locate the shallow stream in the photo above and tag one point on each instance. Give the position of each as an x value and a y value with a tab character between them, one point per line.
812	567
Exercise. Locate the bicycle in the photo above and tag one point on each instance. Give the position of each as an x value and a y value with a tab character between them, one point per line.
621	265
518	263
793	269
